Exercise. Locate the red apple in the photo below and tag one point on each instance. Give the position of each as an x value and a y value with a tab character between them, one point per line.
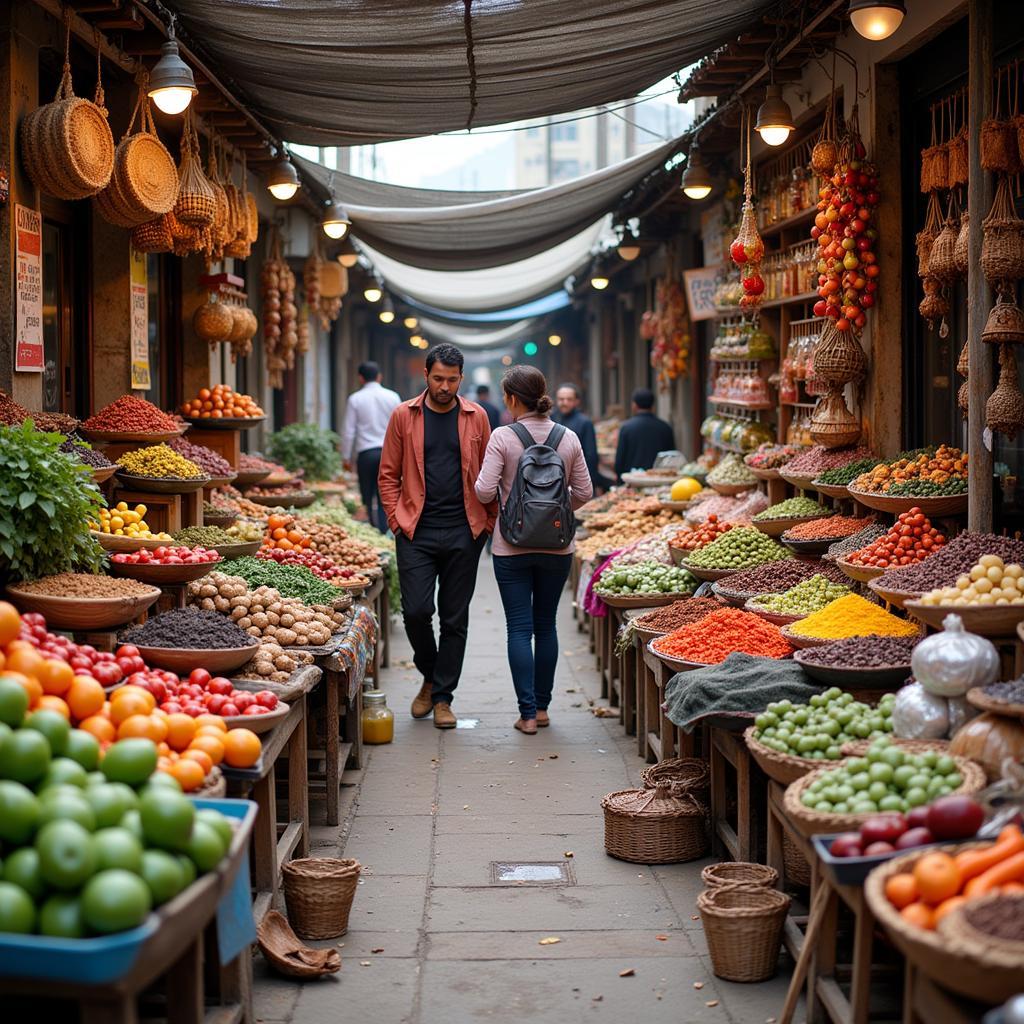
914	837
846	845
876	849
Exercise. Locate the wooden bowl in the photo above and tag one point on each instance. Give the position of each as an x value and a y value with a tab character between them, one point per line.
295	499
220	481
777	527
676	664
245	423
83	613
640	600
839	491
238	550
860	573
712	574
803	641
647	480
183	659
246	478
951	505
161	485
101	474
802	483
123	437
162	575
977	696
896	598
675	506
775	618
730	490
765	474
258	723
888	678
219	519
985	620
732	597
112	542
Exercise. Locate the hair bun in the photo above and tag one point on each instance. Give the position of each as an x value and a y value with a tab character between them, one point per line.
544	405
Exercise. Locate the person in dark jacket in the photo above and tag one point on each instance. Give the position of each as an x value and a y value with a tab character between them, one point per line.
483	399
569	414
642	436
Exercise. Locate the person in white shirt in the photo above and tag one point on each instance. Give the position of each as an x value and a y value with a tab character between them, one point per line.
366	420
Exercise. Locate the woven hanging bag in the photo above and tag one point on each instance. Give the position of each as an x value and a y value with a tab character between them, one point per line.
1002	244
1004	410
838	357
832	423
153	236
962	247
925	238
196	203
942	258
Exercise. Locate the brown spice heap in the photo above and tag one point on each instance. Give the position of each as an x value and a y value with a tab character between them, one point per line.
833	528
83	584
1001	918
680	613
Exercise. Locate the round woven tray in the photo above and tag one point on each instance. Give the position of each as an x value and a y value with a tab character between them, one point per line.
161	484
958	967
812	823
858	748
712	575
236	423
782	768
803	483
285	952
743	927
83	613
654	826
765	474
675	506
775	618
738	872
101	474
977	696
294	499
318	893
639	600
805	548
985	620
839	491
953	505
993	954
730	490
800	641
886	678
896	598
736	598
676	664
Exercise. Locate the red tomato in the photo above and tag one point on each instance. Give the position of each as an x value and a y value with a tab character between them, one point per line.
229	709
256	709
267	699
244	700
199	676
220	685
194	708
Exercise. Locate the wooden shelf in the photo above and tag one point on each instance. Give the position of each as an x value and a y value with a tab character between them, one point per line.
743	359
791	300
801	405
797	220
734	448
738	403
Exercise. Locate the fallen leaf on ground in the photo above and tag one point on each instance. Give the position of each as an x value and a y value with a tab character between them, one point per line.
698	984
552	757
661	938
364	963
568	854
602	712
712	1002
597	999
627	973
379	949
549	940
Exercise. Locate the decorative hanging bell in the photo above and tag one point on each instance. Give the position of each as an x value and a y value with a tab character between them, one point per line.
1005	325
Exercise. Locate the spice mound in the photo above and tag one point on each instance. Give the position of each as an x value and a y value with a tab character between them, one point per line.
713	638
679	613
159	461
83	584
920	474
851	615
732	470
862	652
777	577
827	529
205	536
740	548
956	557
1006	693
772	456
820	459
130	415
84	452
187	628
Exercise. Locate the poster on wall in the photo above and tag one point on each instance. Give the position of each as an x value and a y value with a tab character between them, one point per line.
700	292
28	338
140	322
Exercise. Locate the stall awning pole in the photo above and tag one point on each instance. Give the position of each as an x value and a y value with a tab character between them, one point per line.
979	199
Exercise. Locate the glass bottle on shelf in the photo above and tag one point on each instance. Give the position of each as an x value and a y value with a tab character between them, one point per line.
377	718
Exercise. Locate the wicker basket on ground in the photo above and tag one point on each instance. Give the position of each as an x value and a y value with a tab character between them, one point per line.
738	872
286	954
681	775
318	893
743	928
654	826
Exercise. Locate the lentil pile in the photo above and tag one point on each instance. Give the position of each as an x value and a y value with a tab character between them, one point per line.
777	577
205	536
852	615
188	628
713	638
859	540
679	613
1005	693
819	459
862	652
209	461
792	508
85	453
83	584
289	580
827	529
772	456
806	597
740	548
129	414
159	460
958	556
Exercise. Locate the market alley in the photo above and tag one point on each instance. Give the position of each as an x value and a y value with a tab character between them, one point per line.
433	938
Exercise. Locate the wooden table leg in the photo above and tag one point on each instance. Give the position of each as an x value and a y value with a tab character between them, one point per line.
184	982
823	962
640	670
627	675
384	627
332	769
354	723
264	834
744	825
121	1009
298	789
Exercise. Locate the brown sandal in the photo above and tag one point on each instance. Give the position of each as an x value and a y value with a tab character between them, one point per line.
543	723
527	726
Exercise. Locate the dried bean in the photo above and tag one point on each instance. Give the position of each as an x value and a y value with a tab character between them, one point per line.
776	577
1001	918
862	652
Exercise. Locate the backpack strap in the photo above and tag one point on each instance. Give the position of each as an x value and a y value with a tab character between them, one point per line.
555	437
525	437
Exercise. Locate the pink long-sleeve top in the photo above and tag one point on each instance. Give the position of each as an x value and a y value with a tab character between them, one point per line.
499	471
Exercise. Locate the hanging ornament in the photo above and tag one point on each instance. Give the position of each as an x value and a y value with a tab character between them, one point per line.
747	249
1004	410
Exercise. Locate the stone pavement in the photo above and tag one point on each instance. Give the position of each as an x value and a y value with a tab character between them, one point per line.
432	939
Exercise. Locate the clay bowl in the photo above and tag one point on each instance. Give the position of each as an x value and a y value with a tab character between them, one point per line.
777	527
775	618
839	491
896	598
246	478
985	620
947	505
730	490
122	437
101	474
161	485
238	550
294	499
860	573
83	613
112	542
162	575
258	723
183	659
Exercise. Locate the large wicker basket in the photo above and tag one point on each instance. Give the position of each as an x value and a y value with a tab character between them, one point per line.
742	873
783	768
654	826
743	928
681	775
318	893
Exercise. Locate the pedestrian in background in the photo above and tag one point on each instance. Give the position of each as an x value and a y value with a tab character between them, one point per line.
642	436
569	414
432	455
531	579
483	399
366	419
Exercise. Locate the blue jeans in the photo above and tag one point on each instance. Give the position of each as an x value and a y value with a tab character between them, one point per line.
530	587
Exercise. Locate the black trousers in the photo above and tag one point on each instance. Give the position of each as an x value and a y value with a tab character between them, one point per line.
445	559
367	468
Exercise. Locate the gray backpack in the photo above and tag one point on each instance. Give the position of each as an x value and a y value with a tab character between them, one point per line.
537	511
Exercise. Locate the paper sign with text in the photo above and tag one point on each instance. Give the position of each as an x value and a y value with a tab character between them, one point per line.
140	322
700	292
28	338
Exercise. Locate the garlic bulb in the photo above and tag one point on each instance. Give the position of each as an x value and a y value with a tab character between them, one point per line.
949	663
919	715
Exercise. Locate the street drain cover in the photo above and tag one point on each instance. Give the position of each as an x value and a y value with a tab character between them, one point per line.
554	872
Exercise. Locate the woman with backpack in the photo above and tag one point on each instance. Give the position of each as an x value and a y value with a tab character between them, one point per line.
537	471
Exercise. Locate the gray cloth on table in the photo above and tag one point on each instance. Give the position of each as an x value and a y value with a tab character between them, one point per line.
743	684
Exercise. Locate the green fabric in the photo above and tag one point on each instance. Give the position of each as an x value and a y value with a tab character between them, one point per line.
743	684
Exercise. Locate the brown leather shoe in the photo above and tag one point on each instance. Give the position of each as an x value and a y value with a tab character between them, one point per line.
542	720
527	726
444	717
423	705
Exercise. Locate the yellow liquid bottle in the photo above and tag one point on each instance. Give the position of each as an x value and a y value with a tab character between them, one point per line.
378	719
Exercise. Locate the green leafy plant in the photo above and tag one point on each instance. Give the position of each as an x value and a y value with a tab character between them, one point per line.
308	447
47	500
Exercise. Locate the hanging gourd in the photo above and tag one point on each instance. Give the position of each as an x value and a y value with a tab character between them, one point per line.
212	321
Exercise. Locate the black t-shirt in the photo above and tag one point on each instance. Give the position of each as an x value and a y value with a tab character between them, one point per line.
445	504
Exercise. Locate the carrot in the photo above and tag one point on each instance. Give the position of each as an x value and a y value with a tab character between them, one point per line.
973	863
1009	870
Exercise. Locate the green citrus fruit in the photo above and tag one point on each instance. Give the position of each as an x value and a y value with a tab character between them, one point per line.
61	917
67	857
164	875
22	868
58	805
13	701
62	771
54	726
114	901
161	781
167	819
188	869
110	802
131	761
84	748
19	813
218	822
17	911
205	846
117	848
24	756
132	822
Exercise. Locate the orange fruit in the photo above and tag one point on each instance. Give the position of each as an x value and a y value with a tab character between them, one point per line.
181	730
901	890
24	659
10	623
937	877
215	721
162	749
242	748
946	906
920	915
163	764
212	746
53	703
100	727
56	676
85	697
142	727
125	707
134	691
189	773
210	730
200	755
31	684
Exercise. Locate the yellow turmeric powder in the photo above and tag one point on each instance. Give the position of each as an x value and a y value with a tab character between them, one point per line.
851	615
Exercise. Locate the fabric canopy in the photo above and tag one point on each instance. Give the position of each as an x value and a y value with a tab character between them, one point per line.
352	72
546	304
477	291
488	232
475	338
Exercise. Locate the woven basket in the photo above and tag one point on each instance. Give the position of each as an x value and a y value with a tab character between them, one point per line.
925	238
318	893
942	259
961	249
742	873
832	423
993	955
812	823
858	748
153	236
743	928
782	768
1002	244
681	775
959	158
999	150
654	826
934	167
286	954
794	863
195	204
252	218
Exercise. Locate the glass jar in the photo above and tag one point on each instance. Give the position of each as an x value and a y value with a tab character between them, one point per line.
378	718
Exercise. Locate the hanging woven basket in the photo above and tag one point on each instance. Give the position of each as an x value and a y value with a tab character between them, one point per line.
1002	245
832	423
925	238
838	357
961	249
942	258
196	203
933	307
1004	410
1005	323
154	236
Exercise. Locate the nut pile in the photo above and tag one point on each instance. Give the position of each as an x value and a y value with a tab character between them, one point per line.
335	542
792	508
272	663
1006	693
159	460
958	556
85	452
777	577
83	584
990	582
264	613
740	548
863	652
291	489
188	628
209	461
129	415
